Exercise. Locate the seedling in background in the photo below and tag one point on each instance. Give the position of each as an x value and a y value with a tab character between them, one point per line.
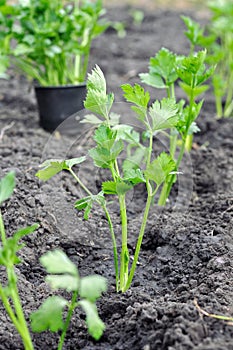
63	274
165	69
217	38
126	170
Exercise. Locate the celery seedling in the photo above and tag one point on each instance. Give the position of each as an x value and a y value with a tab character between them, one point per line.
192	73
63	274
138	165
217	38
8	258
167	68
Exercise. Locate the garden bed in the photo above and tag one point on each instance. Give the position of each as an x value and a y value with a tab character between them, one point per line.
187	249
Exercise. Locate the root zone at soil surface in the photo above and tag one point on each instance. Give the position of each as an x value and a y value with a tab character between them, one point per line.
186	253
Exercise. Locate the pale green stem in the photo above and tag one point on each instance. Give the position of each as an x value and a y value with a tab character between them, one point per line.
67	321
18	319
9	309
124	246
115	253
23	328
2	229
113	237
141	234
166	189
80	182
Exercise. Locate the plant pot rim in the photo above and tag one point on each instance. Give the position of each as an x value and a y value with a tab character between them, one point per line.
54	87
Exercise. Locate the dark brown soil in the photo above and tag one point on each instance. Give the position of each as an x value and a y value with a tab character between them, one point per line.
188	248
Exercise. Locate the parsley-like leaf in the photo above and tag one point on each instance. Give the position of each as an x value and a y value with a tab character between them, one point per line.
162	71
52	167
94	324
97	99
164	114
65	281
87	203
49	315
160	168
137	95
57	262
91	287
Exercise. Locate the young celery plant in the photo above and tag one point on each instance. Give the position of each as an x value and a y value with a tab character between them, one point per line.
216	37
63	274
192	73
8	258
110	140
162	75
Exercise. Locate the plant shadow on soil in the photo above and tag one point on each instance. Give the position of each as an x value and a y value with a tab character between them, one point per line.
186	253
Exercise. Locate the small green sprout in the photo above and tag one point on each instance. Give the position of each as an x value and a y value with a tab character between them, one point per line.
63	274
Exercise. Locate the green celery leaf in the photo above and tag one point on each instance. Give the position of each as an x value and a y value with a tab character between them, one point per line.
198	90
160	168
104	157
8	252
114	118
49	315
109	187
135	160
25	231
127	133
87	203
137	95
104	136
91	119
97	99
91	287
64	281
7	185
194	31
193	129
119	187
134	176
57	262
11	246
94	324
74	161
164	114
162	72
82	203
154	80
52	167
122	187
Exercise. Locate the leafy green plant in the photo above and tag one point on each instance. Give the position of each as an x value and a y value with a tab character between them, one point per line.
52	39
127	170
63	274
6	23
10	246
217	38
166	69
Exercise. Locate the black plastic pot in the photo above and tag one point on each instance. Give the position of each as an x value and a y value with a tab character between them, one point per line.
56	103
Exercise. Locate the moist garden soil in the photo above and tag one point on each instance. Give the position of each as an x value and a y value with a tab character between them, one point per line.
187	249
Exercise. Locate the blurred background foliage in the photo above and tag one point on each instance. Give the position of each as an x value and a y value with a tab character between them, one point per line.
171	4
